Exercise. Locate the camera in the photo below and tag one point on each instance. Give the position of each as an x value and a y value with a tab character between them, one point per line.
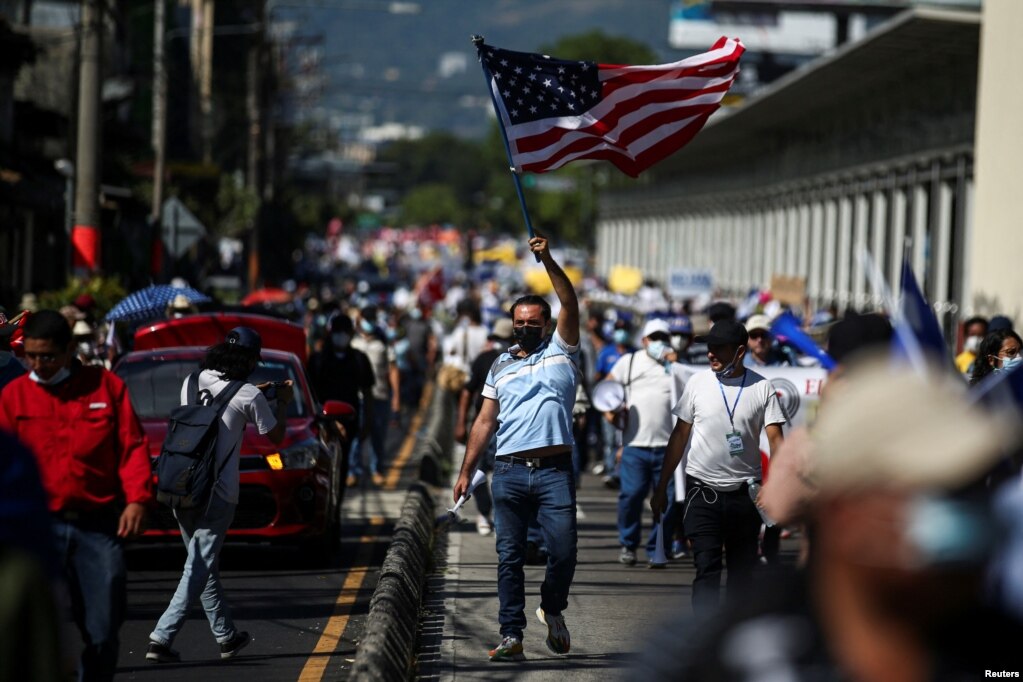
271	391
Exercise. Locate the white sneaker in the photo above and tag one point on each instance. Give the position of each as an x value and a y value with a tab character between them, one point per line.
597	469
483	525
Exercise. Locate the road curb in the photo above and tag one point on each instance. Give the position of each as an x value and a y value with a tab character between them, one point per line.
388	644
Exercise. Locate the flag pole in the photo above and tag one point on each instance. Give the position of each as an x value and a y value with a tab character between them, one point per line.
477	41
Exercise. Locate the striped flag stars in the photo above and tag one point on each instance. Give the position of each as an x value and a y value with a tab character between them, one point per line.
632	116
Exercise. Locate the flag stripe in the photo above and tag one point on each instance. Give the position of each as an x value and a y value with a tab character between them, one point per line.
614	124
644	113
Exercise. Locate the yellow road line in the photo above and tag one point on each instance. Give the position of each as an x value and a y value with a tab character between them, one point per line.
316	666
409	444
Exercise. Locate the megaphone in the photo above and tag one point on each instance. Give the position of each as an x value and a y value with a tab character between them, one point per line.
608	396
659	560
452	514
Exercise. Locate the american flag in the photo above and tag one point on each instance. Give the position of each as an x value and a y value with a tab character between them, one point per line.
556	111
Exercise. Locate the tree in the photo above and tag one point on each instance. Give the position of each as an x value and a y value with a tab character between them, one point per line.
432	203
597	46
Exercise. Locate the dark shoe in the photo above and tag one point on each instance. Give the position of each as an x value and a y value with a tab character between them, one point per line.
231	647
158	653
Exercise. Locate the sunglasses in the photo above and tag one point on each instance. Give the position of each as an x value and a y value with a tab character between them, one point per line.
759	335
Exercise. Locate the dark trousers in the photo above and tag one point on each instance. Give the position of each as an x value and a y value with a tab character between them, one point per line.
721	526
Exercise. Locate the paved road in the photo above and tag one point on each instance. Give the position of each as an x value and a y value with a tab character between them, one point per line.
611	607
305	622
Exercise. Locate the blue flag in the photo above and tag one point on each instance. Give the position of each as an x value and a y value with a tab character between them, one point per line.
917	332
788	326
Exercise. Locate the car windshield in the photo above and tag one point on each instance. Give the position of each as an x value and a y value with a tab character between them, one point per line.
155	385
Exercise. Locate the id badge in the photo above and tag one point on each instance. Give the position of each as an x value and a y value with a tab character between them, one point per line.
734	440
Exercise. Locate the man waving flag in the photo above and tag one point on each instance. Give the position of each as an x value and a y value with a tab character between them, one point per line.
555	111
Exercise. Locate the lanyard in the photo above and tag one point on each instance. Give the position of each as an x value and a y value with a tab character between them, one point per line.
731	412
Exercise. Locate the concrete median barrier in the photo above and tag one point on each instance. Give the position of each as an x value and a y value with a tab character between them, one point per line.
388	645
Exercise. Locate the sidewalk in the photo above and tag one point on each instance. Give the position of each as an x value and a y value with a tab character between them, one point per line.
611	607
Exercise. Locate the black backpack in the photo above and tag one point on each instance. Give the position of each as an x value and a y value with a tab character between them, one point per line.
186	469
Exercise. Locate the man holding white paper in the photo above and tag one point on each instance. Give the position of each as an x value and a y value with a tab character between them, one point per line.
528	400
724	409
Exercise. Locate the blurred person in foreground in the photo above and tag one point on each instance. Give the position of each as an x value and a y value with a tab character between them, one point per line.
30	624
789	489
999	352
204	528
94	463
723	409
528	399
895	586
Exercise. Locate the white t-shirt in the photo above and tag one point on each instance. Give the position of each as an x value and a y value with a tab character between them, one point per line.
650	392
463	344
248	405
380	357
703	406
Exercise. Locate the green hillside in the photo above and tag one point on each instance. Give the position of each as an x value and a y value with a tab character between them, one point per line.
380	68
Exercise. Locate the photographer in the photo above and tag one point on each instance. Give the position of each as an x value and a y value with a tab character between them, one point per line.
204	529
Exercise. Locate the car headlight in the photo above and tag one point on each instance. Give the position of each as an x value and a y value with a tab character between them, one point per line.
301	455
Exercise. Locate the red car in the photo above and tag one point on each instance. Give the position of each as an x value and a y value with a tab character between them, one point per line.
290	492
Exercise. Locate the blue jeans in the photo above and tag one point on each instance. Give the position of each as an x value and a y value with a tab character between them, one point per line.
377	440
520	493
93	562
640	469
203	532
611	436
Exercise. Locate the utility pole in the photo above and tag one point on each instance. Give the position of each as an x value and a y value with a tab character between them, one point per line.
202	70
85	237
159	133
253	106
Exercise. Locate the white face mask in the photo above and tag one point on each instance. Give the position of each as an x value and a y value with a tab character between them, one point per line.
657	350
61	374
972	344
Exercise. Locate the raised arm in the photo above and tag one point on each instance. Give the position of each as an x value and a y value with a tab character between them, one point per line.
568	318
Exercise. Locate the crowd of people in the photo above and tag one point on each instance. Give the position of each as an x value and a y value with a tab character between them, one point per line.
904	492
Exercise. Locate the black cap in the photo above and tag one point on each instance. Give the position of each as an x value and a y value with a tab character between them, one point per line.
720	311
245	337
856	332
725	333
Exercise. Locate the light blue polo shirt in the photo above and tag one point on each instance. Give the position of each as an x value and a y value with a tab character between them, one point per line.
535	396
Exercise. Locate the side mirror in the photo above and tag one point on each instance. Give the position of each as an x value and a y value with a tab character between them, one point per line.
336	409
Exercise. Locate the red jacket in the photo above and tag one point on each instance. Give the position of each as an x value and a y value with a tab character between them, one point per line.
86	437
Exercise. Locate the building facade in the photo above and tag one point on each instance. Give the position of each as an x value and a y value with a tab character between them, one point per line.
868	150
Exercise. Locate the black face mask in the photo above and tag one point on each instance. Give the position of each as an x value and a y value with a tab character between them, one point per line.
528	338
